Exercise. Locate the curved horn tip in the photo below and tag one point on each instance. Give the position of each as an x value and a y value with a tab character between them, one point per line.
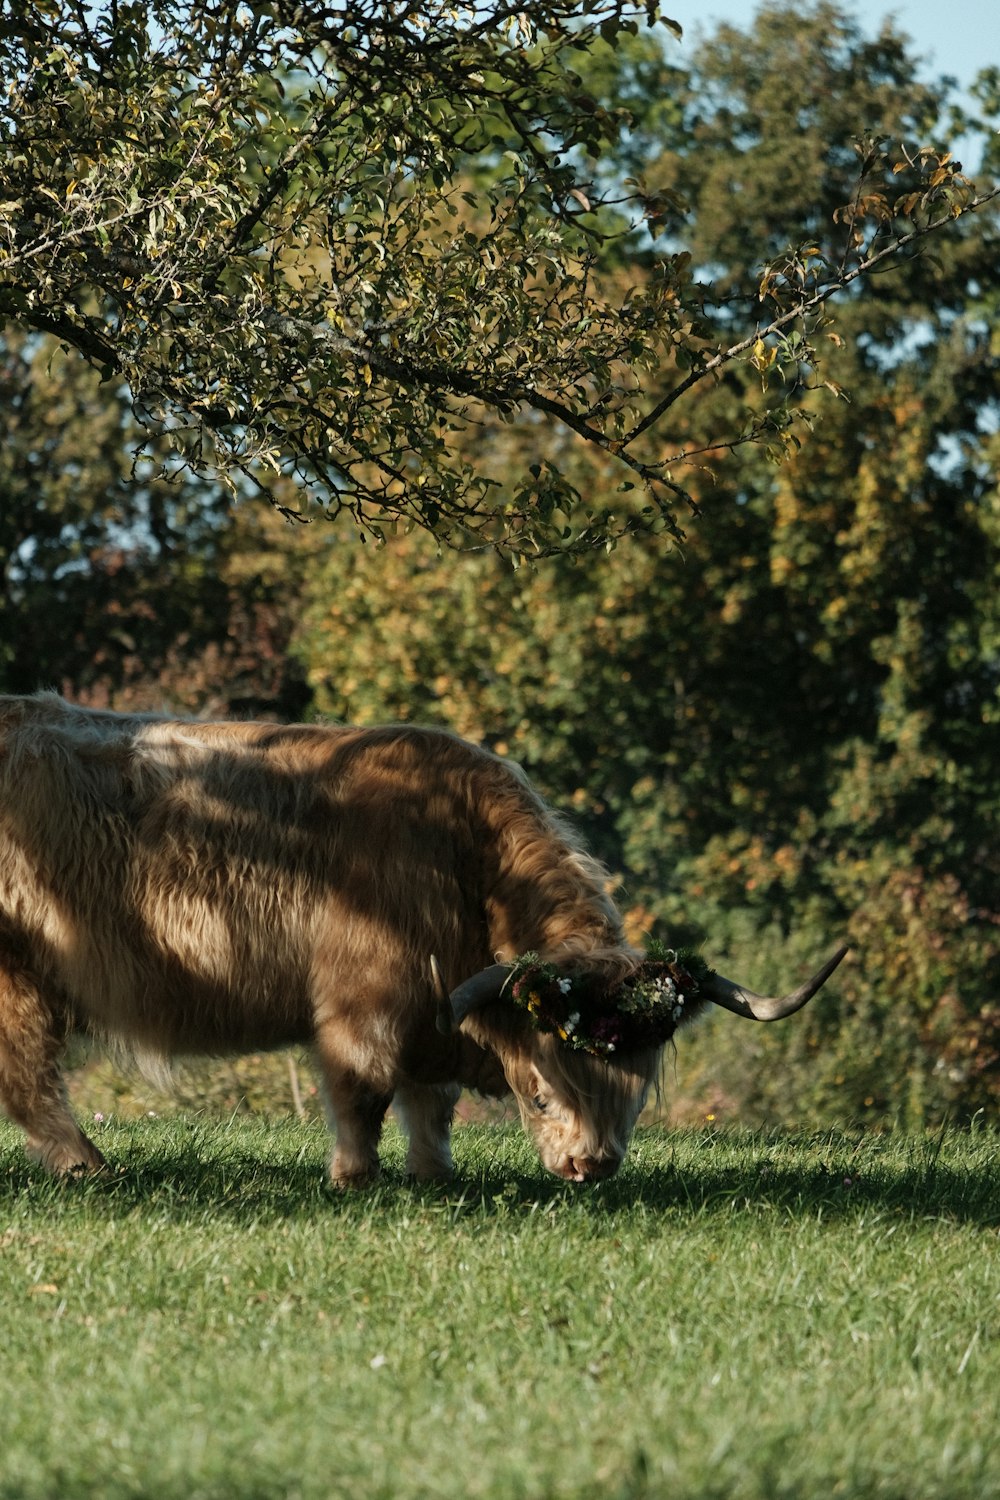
753	1007
805	992
831	964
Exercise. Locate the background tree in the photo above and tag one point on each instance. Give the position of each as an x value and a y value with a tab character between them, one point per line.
117	585
319	242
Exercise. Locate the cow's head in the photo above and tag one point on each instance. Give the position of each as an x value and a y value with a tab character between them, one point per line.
581	1053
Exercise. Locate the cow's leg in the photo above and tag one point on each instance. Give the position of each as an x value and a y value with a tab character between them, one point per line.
31	1087
356	1112
425	1113
355	1108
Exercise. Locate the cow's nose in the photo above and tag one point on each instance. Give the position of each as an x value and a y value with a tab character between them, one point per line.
591	1168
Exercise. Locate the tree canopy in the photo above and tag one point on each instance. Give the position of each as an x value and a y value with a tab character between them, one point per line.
326	243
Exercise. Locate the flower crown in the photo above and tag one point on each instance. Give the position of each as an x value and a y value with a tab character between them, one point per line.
644	1010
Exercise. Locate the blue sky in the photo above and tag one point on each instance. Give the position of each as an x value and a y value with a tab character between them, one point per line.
955	36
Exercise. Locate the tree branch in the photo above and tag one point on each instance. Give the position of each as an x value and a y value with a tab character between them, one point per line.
801	309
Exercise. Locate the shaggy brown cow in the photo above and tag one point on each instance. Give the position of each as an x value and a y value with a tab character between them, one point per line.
178	887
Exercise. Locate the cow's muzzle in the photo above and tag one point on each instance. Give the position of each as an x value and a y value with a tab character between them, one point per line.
587	1168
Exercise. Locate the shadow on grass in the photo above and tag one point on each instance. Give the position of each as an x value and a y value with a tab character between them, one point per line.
833	1176
683	1174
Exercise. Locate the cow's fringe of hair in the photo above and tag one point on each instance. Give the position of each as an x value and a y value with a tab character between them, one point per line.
588	1077
606	1095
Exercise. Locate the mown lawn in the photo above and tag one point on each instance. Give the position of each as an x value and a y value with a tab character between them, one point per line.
735	1315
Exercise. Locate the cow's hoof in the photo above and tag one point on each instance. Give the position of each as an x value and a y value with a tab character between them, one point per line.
348	1177
81	1159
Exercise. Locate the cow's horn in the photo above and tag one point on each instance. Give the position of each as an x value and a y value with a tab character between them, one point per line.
482	989
442	999
743	1002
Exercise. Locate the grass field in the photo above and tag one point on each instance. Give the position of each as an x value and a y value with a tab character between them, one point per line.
734	1315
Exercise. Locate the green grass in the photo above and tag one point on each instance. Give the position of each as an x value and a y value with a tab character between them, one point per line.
735	1315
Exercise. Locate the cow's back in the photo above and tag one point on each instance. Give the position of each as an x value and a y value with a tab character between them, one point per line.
196	885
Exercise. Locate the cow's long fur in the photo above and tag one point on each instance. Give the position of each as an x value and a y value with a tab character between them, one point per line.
179	887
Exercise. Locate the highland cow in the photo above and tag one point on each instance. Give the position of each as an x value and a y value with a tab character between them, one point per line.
396	898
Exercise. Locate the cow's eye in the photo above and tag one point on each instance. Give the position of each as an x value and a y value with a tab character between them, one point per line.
537	1102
